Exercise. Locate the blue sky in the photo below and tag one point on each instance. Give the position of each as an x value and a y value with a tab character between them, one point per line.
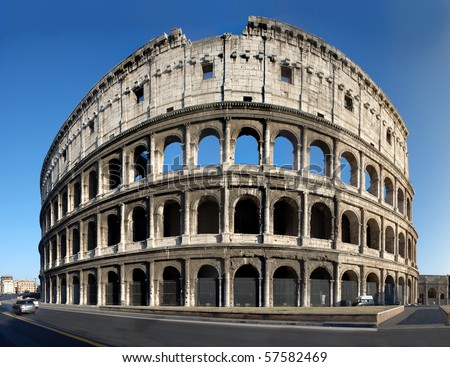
52	52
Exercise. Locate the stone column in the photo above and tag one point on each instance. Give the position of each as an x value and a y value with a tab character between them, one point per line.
152	157
123	285
151	222
305	302
336	223
337	285
381	245
267	153
82	289
266	224
100	188
187	282
381	287
334	284
151	280
100	301
268	301
381	186
58	289
396	242
335	161
305	218
225	212
228	279
187	155
303	156
123	237
362	280
363	234
227	159
362	173
186	217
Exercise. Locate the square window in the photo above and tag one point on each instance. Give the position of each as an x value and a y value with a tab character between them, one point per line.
208	70
348	103
247	99
139	94
286	74
389	137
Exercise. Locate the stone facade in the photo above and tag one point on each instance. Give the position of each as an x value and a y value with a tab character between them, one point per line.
7	285
434	289
118	227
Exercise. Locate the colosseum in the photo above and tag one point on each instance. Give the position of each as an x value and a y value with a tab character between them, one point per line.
132	215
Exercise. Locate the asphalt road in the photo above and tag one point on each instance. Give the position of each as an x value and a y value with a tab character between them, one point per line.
415	327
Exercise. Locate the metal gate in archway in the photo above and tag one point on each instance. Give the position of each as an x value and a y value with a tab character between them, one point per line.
112	293
320	292
285	292
349	290
139	293
207	292
92	294
400	295
372	290
171	292
389	296
76	293
246	292
53	292
63	292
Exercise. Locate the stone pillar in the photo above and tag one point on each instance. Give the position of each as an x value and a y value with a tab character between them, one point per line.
267	279
305	217
187	155
100	188
336	223
267	145
335	161
100	301
58	289
186	217
362	173
82	289
123	237
69	289
123	285
125	167
303	156
225	212
337	285
152	157
266	224
381	186
334	285
362	280
396	242
228	280
382	239
362	236
187	282
381	287
305	302
151	282
227	159
151	221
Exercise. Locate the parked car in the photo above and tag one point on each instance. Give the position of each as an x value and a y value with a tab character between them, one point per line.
24	306
363	301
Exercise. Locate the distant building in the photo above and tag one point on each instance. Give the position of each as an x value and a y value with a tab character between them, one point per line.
7	284
24	286
434	289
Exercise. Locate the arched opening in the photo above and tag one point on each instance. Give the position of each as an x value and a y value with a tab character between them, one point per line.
320	287
63	246
54	288
319	158
285	217
442	296
208	214
172	219
389	291
65	202
388	193
400	201
401	245
408	209
173	155
140	162
112	294
247	147
285	287
76	194
139	224
63	290
283	153
54	249
372	234
47	293
139	288
246	287
55	211
372	286
432	296
389	240
320	223
92	290
76	290
409	249
246	216
93	184
349	169
408	292
114	173
371	180
401	292
349	288
208	286
209	150
92	235
349	227
113	230
171	287
75	241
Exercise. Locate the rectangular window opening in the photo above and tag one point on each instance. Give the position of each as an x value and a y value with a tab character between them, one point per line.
170	109
139	94
348	103
248	99
208	70
286	74
321	115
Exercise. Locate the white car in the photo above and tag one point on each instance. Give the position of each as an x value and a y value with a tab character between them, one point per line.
35	301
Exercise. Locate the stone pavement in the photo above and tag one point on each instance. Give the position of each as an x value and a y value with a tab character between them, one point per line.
416	317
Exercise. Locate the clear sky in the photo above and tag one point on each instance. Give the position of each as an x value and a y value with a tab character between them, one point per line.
52	53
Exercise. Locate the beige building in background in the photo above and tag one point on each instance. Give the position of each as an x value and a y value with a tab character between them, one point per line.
7	284
24	286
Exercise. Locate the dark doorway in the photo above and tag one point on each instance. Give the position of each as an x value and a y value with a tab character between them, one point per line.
171	287
246	287
285	287
139	288
246	217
